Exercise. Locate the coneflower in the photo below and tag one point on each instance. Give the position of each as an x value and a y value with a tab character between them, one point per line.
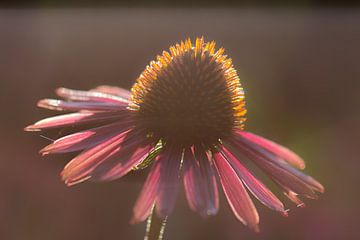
184	117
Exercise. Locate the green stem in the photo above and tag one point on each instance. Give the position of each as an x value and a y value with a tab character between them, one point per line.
155	227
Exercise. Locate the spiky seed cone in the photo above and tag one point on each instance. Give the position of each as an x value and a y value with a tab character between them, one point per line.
189	96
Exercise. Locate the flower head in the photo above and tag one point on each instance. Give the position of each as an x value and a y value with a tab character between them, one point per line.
184	116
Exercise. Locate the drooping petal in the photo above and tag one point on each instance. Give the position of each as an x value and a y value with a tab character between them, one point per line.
280	151
292	195
295	199
86	139
211	190
236	194
81	167
60	105
315	185
120	92
161	186
146	199
91	96
121	163
256	187
277	172
169	161
193	182
200	183
74	119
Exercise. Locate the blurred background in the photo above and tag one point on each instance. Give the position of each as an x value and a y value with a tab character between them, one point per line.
299	66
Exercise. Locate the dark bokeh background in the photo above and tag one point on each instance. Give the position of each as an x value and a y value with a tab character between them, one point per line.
300	70
179	3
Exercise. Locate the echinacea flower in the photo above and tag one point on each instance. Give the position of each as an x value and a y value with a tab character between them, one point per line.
184	117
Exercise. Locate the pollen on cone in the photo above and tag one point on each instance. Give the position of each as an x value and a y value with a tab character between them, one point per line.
191	95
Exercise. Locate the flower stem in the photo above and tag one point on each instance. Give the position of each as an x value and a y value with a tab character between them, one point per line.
155	227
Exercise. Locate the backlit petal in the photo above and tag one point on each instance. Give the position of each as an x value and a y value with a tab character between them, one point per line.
74	119
81	167
120	92
121	163
280	172
86	139
234	190
280	151
146	199
78	95
274	159
60	105
169	161
256	187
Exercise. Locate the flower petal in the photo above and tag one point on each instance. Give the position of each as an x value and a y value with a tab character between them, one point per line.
91	96
292	196
169	161
273	158
121	163
60	105
282	152
200	183
280	172
256	187
211	190
80	168
146	200
74	119
85	139
193	182
236	194
120	92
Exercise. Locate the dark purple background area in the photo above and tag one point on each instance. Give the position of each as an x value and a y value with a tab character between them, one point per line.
300	70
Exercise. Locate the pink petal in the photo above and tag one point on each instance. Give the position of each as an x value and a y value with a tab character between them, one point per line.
169	180
91	96
74	119
315	185
212	194
80	168
86	139
257	188
275	148
60	105
200	183
279	173
121	163
193	183
292	196
146	200
234	190
120	92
